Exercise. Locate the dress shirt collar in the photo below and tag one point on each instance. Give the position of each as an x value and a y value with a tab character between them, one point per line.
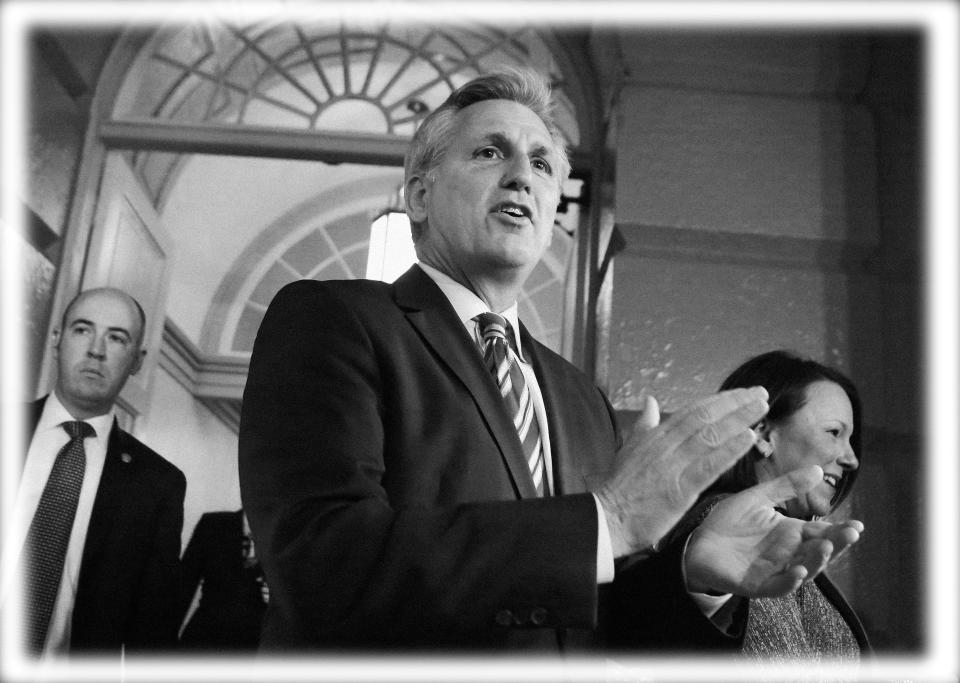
468	305
54	414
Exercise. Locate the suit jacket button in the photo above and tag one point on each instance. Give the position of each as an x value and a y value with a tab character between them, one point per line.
126	457
504	618
538	616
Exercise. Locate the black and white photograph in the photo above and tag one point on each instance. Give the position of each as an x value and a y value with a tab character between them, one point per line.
433	341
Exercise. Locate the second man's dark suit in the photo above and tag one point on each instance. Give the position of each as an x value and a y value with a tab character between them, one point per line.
381	475
229	614
129	574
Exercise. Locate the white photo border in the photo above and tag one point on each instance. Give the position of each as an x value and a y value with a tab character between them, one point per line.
939	22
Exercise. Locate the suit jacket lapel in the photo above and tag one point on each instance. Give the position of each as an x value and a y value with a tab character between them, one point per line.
566	477
113	488
31	417
433	317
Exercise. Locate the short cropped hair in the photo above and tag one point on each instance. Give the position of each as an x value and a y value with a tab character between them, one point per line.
786	376
136	304
524	87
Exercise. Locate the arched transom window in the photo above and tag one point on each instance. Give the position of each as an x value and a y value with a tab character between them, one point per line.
354	91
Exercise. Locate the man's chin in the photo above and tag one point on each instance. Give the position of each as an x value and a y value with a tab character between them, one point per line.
93	397
91	388
518	255
511	267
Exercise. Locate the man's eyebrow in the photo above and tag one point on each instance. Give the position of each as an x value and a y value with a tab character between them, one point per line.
123	330
79	321
496	138
90	323
501	139
544	150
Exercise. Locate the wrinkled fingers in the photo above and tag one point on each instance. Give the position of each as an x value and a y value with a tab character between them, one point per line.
843	536
703	469
814	555
718	434
709	422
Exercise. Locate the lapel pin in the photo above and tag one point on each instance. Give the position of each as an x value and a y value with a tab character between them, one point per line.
126	457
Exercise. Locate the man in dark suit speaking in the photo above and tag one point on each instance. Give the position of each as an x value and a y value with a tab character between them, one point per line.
98	514
421	474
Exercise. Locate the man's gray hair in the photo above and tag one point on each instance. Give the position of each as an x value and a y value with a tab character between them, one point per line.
522	86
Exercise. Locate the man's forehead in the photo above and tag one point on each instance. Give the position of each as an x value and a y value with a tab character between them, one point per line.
504	118
103	307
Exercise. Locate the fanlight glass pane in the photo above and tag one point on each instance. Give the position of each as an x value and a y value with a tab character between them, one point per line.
363	77
391	247
288	73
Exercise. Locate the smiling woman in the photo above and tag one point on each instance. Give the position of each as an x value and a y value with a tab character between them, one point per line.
814	419
818	433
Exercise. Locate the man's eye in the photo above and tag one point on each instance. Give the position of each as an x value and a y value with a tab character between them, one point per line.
834	431
488	153
117	338
542	165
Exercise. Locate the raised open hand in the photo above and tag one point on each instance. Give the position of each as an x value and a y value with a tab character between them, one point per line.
661	469
746	547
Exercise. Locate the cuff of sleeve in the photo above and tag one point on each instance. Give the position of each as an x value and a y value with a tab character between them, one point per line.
605	568
708	604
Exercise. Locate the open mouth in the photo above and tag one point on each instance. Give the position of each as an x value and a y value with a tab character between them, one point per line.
832	479
513	210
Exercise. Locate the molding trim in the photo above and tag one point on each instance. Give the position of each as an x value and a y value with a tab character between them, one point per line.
160	135
703	246
217	382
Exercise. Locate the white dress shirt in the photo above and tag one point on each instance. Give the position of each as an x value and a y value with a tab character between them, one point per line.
47	440
468	305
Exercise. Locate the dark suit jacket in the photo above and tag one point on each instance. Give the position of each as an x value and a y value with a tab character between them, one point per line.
129	574
386	487
231	606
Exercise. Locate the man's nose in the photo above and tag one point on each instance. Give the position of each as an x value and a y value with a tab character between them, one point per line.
518	174
98	347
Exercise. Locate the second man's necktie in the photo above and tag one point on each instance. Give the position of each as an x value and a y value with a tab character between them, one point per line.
502	362
49	535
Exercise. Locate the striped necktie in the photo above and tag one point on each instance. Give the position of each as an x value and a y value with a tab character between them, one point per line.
49	535
502	362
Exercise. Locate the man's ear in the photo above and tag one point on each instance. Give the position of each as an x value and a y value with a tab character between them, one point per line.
55	338
415	193
138	363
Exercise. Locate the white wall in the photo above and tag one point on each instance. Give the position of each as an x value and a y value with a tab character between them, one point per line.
188	435
745	186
